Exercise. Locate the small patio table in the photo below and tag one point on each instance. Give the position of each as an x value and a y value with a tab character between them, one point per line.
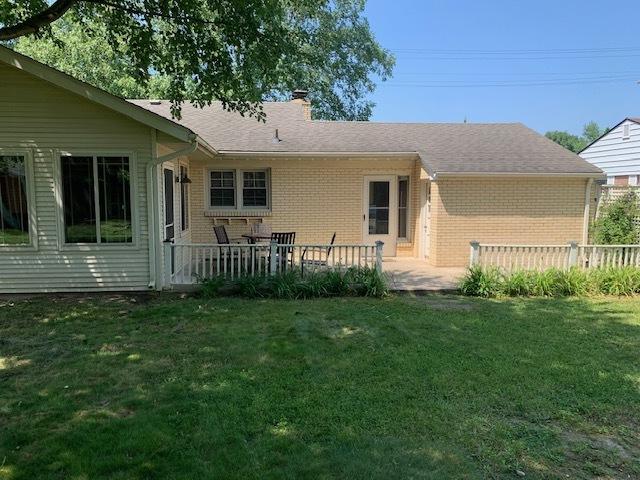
256	238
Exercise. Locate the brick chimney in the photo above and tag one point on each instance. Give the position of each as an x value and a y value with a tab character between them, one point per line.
300	96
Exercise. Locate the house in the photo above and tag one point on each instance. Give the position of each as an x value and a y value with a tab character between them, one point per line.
617	153
92	185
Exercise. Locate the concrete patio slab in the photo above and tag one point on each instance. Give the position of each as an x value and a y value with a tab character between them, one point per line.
413	274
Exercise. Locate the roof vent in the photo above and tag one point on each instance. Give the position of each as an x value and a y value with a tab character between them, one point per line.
155	102
276	137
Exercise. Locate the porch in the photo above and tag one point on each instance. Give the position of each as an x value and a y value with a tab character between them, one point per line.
186	264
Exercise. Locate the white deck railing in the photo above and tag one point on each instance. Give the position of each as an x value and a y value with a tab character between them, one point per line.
187	263
540	257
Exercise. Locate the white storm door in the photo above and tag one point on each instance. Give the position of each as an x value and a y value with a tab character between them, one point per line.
380	212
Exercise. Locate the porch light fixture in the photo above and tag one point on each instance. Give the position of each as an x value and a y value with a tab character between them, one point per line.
183	179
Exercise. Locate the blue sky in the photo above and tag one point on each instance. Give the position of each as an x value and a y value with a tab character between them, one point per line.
502	33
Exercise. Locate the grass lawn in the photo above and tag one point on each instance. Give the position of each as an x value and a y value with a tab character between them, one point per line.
425	387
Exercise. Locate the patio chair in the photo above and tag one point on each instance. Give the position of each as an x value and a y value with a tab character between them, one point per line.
283	253
323	261
223	238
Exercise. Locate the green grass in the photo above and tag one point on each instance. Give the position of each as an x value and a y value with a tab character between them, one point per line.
402	387
13	236
111	231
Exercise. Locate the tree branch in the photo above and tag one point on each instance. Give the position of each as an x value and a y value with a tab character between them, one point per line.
34	23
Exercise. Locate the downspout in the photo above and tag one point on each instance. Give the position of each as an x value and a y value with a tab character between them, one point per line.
587	212
153	207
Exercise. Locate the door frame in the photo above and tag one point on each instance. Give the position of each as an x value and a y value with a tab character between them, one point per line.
426	212
393	210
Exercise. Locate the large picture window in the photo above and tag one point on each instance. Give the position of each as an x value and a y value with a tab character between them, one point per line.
96	199
14	212
239	189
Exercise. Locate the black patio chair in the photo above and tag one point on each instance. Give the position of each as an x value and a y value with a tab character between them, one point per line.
284	252
323	261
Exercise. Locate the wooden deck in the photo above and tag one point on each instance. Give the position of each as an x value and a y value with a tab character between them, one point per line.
415	275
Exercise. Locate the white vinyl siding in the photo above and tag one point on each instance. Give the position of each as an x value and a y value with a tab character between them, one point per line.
616	155
48	121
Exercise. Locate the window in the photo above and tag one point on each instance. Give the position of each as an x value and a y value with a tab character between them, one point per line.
254	190
96	199
239	189
625	132
403	206
223	188
184	197
621	180
14	212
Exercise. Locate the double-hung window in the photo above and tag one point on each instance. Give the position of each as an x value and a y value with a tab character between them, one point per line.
14	203
236	189
96	199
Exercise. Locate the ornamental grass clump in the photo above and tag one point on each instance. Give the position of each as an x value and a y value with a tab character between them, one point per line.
553	282
296	284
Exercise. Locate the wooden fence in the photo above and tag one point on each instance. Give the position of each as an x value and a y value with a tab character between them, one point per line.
541	257
185	264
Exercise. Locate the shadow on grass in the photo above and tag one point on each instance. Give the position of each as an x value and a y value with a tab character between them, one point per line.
427	387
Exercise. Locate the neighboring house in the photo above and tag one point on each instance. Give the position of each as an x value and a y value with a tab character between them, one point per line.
617	153
92	185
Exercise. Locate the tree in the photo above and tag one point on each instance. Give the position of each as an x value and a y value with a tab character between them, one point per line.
88	56
238	52
590	132
567	140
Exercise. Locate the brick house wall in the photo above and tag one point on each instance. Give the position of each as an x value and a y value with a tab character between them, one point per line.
509	210
312	196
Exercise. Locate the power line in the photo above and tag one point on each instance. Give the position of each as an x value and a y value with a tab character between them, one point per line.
516	51
497	84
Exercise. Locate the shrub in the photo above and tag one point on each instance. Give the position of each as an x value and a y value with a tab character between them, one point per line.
364	282
492	282
482	282
616	225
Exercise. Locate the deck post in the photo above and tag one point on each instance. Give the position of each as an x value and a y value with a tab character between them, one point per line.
273	250
474	256
573	254
379	245
167	264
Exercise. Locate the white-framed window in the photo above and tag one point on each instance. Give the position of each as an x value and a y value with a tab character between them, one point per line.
239	189
17	205
96	193
625	132
403	208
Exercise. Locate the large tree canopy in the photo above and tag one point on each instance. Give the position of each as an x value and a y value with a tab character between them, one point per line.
237	51
590	132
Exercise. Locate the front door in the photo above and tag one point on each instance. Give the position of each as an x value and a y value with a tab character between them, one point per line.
425	241
380	213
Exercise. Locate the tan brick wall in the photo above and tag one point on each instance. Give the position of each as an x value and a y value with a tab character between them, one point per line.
541	210
312	196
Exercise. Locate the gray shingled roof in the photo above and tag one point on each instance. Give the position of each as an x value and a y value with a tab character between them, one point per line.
443	147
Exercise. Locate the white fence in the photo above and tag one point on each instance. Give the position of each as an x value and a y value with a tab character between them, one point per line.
540	257
185	264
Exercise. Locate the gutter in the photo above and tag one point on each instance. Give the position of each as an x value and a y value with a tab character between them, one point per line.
153	202
516	174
